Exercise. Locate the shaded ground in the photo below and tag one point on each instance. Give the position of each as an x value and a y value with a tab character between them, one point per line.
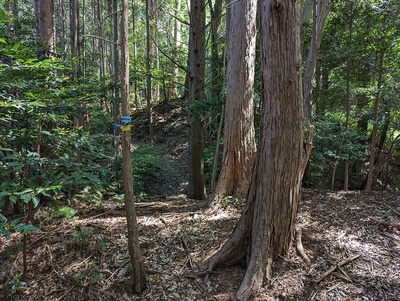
86	257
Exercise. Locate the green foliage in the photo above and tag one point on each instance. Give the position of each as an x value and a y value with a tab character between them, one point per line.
199	108
82	236
12	250
146	168
333	144
209	153
42	153
100	246
63	212
23	228
89	275
16	284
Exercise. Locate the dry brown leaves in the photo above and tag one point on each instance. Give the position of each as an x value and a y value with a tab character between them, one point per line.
87	258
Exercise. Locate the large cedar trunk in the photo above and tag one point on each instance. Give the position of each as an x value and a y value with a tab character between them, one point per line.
197	50
266	227
239	140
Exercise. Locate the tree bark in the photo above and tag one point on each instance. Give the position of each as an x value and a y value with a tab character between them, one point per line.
239	135
116	102
138	274
374	120
73	23
149	51
197	50
177	45
45	27
215	64
266	227
347	106
321	9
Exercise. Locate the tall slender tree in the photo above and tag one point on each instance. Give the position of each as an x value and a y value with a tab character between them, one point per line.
73	23
197	51
138	271
320	10
149	51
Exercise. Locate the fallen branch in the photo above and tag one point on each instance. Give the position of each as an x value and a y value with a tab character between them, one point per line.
299	246
66	293
389	224
342	263
341	276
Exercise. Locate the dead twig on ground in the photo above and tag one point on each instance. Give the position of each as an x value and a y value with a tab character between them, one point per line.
342	263
389	224
66	293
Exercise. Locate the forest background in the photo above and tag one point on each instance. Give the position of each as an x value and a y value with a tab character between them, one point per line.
60	100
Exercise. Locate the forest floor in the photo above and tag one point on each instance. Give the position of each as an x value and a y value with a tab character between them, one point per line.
86	257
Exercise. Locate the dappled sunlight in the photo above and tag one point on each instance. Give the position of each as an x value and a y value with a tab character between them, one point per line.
87	257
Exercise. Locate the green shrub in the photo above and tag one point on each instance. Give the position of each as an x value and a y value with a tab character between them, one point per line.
146	169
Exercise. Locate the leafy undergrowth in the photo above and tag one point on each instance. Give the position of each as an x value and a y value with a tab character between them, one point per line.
86	258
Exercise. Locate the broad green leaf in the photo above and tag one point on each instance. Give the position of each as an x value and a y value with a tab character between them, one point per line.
35	201
26	229
3	219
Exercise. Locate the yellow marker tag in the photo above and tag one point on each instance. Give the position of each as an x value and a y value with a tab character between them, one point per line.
126	128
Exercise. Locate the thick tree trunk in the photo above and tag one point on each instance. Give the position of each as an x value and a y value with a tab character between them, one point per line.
266	227
239	137
138	271
197	50
45	26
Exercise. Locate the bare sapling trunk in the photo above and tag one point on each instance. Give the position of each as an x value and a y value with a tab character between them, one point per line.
196	77
138	270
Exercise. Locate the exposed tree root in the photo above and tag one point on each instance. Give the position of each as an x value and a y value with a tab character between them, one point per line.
299	246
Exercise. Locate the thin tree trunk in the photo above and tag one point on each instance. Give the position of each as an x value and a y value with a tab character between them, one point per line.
321	9
305	19
374	120
154	52
148	71
217	147
116	95
196	77
73	21
177	44
135	90
348	73
215	63
138	271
